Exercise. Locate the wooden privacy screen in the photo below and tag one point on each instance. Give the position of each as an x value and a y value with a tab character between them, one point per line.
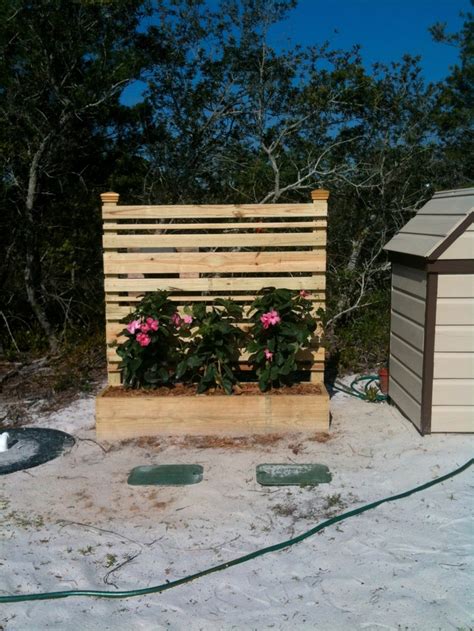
205	252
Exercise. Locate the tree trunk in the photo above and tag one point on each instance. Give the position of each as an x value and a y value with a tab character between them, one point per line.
344	299
32	266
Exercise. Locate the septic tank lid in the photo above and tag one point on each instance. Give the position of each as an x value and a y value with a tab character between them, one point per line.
31	446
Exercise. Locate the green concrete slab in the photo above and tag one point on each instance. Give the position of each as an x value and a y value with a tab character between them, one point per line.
293	474
166	475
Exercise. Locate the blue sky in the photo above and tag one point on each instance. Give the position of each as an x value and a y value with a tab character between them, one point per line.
386	29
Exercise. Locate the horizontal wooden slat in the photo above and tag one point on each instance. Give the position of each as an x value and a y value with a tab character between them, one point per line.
114	328
309	355
115	311
316	371
132	297
214	284
205	262
225	225
207	240
208	212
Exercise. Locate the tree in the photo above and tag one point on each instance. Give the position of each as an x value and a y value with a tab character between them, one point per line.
63	67
455	112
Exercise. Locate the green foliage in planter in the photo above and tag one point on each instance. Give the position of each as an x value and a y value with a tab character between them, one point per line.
212	355
282	326
150	351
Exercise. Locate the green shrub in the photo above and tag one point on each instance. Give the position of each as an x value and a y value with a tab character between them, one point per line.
361	341
211	357
151	350
282	326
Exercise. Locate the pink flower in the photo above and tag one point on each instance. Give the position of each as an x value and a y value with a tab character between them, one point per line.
270	318
274	317
133	326
143	339
153	324
144	327
268	354
187	319
176	320
304	293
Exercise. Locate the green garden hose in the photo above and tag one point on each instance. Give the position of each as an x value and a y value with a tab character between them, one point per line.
247	557
364	394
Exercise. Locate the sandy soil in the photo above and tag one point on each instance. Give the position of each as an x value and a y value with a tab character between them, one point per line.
75	523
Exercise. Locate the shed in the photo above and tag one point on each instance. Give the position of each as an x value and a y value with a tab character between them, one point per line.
432	315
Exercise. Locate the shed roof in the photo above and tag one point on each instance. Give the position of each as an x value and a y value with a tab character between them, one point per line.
446	215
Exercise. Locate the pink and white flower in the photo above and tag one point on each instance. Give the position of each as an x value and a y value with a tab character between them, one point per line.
304	293
133	326
187	319
153	324
268	354
270	318
176	320
143	339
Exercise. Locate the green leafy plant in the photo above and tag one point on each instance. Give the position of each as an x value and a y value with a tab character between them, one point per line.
211	357
282	326
151	349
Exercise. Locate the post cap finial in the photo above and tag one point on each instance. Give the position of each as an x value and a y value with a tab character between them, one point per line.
109	198
319	193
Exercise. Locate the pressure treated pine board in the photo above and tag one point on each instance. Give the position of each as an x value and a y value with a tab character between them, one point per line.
215	211
213	262
197	226
208	240
127	417
213	284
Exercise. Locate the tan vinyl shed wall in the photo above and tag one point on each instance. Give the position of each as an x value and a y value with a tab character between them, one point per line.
432	317
453	373
407	339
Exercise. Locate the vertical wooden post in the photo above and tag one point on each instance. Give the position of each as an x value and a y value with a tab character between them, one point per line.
320	202
109	200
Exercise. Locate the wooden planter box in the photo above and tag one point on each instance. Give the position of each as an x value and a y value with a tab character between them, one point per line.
125	416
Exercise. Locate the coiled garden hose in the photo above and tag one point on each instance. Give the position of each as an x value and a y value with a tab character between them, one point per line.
243	559
364	394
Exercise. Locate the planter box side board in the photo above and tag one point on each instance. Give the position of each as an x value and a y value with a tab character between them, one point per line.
130	417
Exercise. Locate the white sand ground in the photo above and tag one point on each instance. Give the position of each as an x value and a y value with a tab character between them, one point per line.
73	522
